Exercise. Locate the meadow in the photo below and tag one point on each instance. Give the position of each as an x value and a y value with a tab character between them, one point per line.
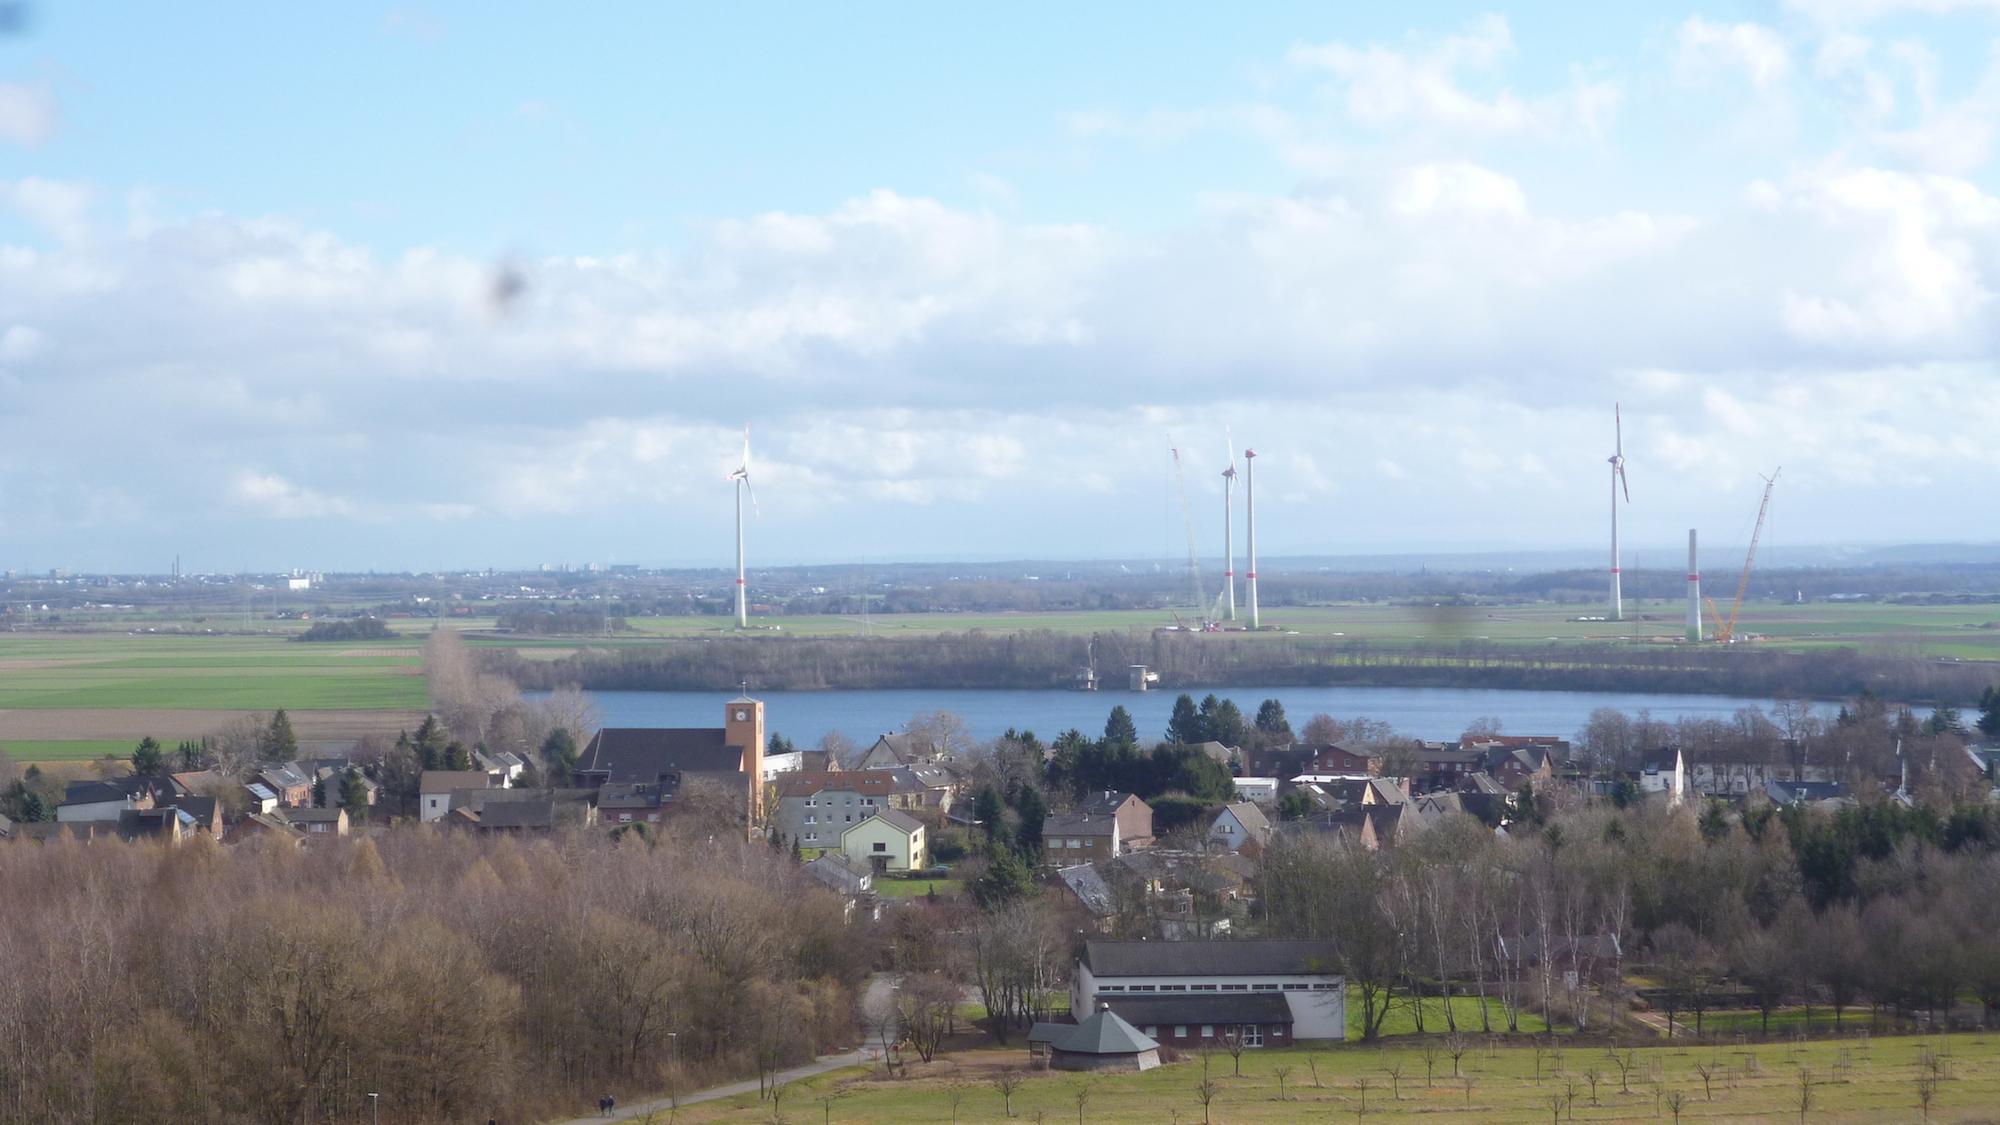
1855	1079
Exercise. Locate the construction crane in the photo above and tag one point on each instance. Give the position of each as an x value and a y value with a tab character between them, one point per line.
1725	630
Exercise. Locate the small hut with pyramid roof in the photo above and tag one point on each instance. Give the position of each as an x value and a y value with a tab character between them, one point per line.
1102	1042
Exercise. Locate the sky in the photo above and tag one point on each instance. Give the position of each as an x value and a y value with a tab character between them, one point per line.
397	287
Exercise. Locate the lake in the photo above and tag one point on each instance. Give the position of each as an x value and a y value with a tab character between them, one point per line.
1428	713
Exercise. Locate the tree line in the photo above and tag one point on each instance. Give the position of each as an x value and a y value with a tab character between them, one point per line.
1043	659
459	978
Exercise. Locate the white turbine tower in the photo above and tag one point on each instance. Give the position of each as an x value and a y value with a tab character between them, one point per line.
1617	460
742	478
1229	535
1250	529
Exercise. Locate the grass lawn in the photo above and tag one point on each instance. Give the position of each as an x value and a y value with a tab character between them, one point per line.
891	887
116	670
1852	1080
1402	1019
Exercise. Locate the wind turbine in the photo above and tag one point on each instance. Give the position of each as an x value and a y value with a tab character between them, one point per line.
1618	483
1229	534
742	478
1250	528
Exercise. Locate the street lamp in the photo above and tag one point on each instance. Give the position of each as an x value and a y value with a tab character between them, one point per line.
375	1107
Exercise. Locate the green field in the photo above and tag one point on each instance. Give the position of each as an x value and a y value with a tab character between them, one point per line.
1851	1080
912	888
67	750
106	670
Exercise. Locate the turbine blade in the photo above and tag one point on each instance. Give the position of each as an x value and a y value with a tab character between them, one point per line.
1625	484
746	450
1618	420
754	509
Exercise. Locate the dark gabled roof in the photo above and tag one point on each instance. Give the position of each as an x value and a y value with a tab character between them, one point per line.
1103	802
894	818
311	816
1104	1033
645	753
202	809
1202	1007
1089	887
1208	958
284	776
519	814
446	781
905	748
1659	761
125	788
1079	824
840	873
635	795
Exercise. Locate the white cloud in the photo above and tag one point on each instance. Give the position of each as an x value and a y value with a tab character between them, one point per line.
27	113
1759	54
274	497
1436	83
59	207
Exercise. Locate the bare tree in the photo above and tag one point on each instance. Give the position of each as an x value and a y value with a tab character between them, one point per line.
1395	1072
1205	1090
1429	1053
1234	1042
1006	1082
1591	1076
1082	1096
1361	1088
954	1096
1456	1046
1625	1062
1806	1094
1927	1088
1707	1070
1282	1072
1676	1101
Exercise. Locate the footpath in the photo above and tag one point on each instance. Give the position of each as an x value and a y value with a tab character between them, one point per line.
878	1010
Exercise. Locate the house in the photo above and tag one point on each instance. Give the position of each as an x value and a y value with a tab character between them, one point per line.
813	809
523	810
505	765
1241	825
892	750
1440	767
635	802
263	824
166	824
816	760
205	812
261	799
1222	754
1664	771
1086	886
853	882
435	787
1515	766
91	801
330	821
942	783
1803	792
1257	790
330	779
1178	895
730	756
1263	1019
292	788
1102	826
1370	826
197	783
1104	1042
1348	759
891	840
1299	971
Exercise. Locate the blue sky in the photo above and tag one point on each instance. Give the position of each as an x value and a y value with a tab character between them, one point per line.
968	272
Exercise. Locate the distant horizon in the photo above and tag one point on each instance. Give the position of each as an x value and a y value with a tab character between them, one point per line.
1528	560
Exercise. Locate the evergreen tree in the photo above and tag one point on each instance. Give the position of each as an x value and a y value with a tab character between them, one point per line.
1066	761
1989	713
457	757
1714	821
989	811
148	760
1028	834
559	756
1271	718
779	744
1120	730
798	853
431	743
1185	726
354	795
1226	725
280	744
1944	720
320	793
1007	880
192	754
34	809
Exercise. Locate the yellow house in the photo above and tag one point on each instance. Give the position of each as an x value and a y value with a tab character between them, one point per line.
891	840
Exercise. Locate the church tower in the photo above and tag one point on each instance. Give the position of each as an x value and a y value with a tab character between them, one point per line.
743	727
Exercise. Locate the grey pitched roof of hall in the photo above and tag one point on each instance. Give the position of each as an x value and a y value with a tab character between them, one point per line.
1209	958
1203	1007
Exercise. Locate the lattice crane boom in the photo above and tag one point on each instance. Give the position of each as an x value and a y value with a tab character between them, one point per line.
1727	631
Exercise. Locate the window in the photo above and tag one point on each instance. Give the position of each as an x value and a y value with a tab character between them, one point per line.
1265	987
1322	988
1235	987
1143	988
881	847
1208	1031
1180	1031
811	836
1112	988
1152	1031
1253	1035
624	818
1076	843
1295	988
810	819
1173	988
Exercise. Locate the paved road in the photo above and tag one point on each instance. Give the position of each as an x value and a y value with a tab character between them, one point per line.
878	1010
